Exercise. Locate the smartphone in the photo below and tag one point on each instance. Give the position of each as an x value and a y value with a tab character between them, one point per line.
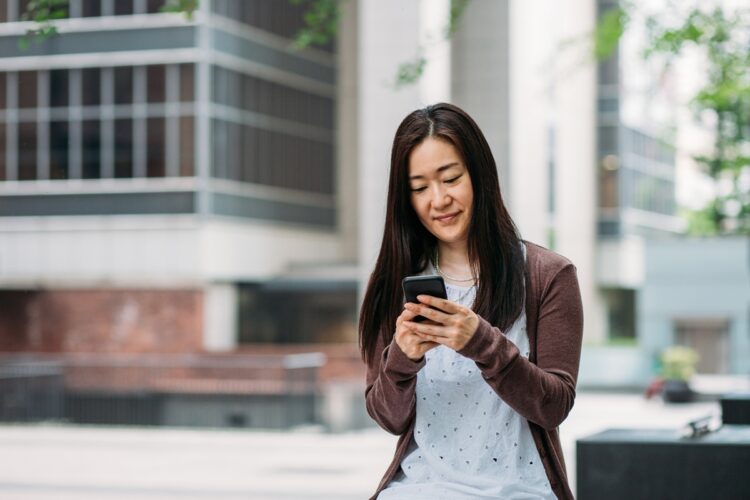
423	285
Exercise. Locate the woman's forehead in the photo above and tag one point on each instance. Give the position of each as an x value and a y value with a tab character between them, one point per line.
433	156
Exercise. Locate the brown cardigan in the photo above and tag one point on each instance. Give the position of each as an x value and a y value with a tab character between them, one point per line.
540	388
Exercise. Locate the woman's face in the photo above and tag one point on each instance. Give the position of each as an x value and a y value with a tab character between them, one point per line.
441	191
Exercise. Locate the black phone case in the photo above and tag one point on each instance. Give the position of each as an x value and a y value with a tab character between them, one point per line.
423	285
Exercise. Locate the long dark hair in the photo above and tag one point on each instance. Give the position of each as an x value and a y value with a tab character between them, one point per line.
494	243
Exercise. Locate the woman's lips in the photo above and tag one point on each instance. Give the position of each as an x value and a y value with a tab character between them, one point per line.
448	218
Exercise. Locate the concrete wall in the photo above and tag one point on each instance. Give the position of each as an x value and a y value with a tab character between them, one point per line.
697	278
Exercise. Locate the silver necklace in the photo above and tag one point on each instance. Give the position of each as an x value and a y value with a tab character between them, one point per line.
441	273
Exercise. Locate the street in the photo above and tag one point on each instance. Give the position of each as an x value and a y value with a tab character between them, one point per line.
46	461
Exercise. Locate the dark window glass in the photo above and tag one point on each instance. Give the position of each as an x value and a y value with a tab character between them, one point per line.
92	8
219	142
27	151
123	8
23	6
124	85
218	84
156	158
124	148
58	88
91	145
27	89
249	154
187	82
3	78
264	156
3	11
3	166
91	81
234	151
59	145
154	6
262	96
156	82
187	146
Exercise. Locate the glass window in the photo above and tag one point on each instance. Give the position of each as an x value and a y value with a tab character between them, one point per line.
124	85
27	89
91	8
187	146
154	6
123	7
249	154
23	6
187	82
58	88
234	151
219	141
3	78
3	166
59	145
156	158
124	148
27	151
91	82
91	145
155	76
3	11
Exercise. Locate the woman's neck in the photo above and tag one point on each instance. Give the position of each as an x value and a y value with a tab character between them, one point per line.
453	260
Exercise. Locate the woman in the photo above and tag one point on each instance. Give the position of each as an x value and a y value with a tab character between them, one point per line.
477	392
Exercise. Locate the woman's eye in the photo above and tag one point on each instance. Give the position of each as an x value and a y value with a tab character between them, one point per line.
450	181
418	190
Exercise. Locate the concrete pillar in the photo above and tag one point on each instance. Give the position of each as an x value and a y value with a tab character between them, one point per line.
576	186
220	316
347	132
387	38
530	76
479	78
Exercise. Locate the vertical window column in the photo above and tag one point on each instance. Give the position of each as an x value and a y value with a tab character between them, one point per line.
108	7
13	14
140	6
42	126
11	137
75	8
140	134
107	118
75	156
173	120
27	119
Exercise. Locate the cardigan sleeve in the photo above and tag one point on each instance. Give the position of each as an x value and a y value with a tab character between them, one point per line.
390	394
544	392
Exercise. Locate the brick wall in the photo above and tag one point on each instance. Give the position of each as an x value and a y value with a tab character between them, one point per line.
101	320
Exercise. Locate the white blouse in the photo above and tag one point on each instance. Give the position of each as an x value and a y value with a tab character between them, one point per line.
468	443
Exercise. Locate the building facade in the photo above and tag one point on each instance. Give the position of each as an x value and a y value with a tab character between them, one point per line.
199	184
157	172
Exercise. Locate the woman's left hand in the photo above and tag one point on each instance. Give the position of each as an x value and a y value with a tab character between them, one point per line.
454	325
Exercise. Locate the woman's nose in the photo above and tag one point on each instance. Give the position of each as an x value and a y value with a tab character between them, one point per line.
440	197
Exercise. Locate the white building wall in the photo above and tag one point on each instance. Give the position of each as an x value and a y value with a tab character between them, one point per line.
479	78
530	77
387	37
152	251
576	183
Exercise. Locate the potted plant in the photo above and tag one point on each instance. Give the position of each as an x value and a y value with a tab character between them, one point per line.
678	366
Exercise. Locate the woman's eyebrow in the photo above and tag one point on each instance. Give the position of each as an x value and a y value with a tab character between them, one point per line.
440	169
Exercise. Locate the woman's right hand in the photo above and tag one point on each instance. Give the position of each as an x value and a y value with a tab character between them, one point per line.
412	344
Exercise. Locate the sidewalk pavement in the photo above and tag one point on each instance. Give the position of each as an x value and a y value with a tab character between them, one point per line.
45	462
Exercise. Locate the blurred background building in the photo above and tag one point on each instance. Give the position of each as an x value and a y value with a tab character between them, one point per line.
200	188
